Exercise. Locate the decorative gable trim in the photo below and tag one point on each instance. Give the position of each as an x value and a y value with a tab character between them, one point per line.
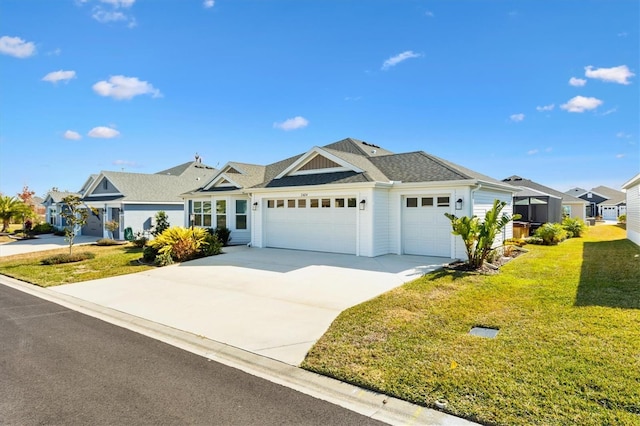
317	161
97	183
222	181
233	169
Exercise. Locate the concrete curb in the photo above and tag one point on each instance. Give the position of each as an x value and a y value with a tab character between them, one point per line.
368	403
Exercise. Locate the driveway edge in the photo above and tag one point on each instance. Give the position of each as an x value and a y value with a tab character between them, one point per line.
368	403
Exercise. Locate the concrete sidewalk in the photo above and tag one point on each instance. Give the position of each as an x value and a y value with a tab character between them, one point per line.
41	243
271	302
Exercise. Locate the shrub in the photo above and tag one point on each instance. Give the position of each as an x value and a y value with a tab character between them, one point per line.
107	242
551	233
140	241
67	258
212	246
162	224
149	254
574	227
164	259
180	243
534	240
43	228
516	242
222	233
622	218
59	232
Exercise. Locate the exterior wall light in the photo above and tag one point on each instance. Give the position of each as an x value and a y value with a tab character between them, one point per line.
362	204
254	206
459	204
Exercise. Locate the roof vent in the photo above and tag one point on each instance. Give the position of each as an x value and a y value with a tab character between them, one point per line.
373	151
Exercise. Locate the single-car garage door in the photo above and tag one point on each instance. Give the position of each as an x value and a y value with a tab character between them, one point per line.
314	223
93	226
426	231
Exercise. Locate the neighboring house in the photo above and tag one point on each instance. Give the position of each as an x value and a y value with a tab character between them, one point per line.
55	207
632	199
347	197
603	201
540	204
133	199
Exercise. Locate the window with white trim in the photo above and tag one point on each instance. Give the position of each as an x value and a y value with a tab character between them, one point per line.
202	213
221	213
241	214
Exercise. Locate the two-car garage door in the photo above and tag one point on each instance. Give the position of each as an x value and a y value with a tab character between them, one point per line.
426	231
315	223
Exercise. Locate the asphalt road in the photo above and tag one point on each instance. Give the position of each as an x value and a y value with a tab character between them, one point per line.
58	366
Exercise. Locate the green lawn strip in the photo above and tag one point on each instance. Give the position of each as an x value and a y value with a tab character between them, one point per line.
568	350
109	261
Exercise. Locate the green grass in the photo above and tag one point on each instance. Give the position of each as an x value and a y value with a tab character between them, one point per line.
568	350
109	261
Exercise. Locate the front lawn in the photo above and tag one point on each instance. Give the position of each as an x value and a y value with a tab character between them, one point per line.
568	349
109	261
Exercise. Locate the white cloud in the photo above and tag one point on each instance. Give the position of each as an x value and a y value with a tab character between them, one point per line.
292	123
619	74
72	136
103	132
55	52
15	46
581	104
119	3
623	135
395	60
121	87
61	75
532	152
104	16
549	107
208	4
516	117
609	111
577	82
620	156
429	14
623	34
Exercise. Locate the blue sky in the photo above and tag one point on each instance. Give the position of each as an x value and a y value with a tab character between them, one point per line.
545	90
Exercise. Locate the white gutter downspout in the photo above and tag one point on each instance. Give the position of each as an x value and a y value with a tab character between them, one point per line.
473	191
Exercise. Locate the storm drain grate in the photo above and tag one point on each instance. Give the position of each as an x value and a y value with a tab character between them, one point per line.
484	332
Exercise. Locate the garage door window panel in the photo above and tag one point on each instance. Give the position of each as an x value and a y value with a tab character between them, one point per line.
412	202
326	202
280	204
427	202
302	203
351	202
443	201
314	203
291	204
339	202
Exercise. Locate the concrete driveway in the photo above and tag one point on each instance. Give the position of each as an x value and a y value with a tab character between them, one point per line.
41	243
272	302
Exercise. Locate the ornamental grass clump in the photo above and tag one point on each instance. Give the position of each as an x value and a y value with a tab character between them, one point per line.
183	244
551	234
575	227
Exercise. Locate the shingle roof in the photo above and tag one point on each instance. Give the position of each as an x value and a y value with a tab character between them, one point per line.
519	181
57	196
377	164
140	187
614	196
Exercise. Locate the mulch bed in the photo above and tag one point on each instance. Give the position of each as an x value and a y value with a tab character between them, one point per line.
487	268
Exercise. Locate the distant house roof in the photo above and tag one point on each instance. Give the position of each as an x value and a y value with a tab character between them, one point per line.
160	187
58	196
613	196
522	182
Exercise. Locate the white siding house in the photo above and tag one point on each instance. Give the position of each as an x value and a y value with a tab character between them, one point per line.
351	197
632	188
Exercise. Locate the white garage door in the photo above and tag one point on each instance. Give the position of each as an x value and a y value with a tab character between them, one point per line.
609	212
426	231
315	223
